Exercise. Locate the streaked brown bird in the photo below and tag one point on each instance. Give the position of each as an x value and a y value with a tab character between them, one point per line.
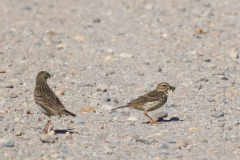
151	101
46	99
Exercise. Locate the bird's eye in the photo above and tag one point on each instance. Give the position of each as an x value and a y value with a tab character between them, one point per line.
164	85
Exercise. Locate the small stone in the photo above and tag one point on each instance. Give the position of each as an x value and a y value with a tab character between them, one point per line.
17	119
2	71
27	127
60	92
87	110
49	32
4	111
77	120
8	127
55	155
199	31
18	133
59	47
97	20
51	132
228	127
224	78
115	100
125	55
125	113
212	66
203	79
218	114
26	111
102	87
233	53
79	38
110	51
13	95
179	145
160	115
27	8
149	6
164	146
9	144
210	100
207	60
142	141
198	86
6	85
132	118
47	138
159	69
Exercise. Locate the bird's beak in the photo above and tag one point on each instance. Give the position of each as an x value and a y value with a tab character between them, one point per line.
51	75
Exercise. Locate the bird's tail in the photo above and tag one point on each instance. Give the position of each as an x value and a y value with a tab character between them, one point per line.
119	107
69	113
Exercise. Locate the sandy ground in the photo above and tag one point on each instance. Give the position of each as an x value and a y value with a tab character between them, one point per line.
106	53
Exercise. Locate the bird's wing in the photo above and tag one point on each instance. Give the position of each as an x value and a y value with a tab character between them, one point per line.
47	99
149	97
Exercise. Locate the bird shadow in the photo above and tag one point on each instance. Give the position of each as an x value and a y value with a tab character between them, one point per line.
65	131
173	119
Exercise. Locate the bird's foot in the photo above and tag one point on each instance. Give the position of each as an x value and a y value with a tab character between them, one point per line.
154	122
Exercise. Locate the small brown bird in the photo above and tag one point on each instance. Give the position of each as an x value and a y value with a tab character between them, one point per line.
151	101
46	99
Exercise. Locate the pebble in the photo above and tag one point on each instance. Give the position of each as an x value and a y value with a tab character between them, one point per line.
8	127
60	46
77	120
125	55
2	71
164	146
225	78
18	133
26	111
132	118
149	6
6	85
97	20
102	87
17	119
47	138
49	32
9	144
51	132
203	79
60	92
218	114
87	110
181	144
233	53
13	95
210	100
142	141
160	115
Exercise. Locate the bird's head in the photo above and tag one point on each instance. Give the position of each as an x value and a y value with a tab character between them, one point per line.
43	75
163	87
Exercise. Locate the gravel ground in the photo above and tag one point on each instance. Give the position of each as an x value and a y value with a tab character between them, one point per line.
106	53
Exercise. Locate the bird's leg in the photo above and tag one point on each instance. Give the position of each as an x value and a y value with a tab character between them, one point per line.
150	119
45	130
49	122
